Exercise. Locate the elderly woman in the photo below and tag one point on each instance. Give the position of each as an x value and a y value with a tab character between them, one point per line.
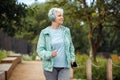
55	47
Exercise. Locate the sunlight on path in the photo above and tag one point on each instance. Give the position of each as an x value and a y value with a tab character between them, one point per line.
28	70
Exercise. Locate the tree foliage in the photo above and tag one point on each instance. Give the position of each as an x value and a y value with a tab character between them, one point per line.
11	13
96	16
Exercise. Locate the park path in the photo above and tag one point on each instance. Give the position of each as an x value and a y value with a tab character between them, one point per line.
28	70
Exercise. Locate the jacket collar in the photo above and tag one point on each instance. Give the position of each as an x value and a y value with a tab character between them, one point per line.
47	30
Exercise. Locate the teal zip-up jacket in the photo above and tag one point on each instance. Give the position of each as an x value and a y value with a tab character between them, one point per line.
45	52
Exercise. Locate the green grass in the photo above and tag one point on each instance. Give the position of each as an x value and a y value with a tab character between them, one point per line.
26	57
3	54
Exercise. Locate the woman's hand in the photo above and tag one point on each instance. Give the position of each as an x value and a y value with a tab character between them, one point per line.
54	53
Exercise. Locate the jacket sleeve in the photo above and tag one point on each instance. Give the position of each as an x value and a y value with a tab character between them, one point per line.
71	48
41	48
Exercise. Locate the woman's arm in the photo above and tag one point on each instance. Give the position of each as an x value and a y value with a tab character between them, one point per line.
41	48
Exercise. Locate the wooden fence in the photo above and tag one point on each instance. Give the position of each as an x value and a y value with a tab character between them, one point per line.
13	44
108	69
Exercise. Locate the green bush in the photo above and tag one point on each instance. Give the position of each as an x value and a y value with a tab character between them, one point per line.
80	72
34	55
98	68
3	54
98	71
116	71
26	57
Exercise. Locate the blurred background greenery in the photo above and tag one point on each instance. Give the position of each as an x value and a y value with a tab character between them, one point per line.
94	28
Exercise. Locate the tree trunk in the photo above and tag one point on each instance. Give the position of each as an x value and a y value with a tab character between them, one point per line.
93	49
94	44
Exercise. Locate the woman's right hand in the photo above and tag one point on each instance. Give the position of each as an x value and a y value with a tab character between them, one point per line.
54	53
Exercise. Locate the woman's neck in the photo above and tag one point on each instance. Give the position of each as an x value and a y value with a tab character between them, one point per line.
55	25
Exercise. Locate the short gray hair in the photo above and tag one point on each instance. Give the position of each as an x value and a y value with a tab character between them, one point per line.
52	11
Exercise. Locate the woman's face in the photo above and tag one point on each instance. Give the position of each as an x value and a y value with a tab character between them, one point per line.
59	18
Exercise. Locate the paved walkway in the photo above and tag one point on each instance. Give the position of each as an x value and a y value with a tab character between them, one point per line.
28	70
